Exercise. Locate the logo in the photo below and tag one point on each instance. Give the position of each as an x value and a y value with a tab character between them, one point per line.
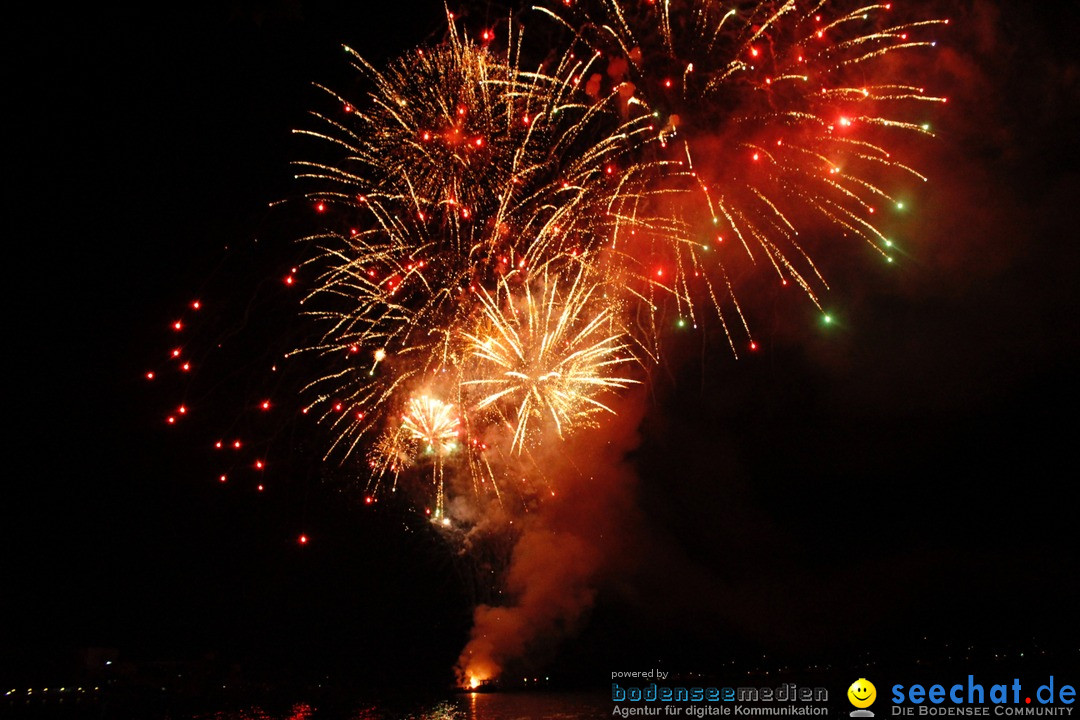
862	694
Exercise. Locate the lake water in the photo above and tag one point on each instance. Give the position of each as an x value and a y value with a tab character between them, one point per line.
476	706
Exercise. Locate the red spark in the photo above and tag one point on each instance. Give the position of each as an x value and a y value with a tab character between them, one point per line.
150	375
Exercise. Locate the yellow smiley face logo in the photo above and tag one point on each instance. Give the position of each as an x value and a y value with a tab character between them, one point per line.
862	693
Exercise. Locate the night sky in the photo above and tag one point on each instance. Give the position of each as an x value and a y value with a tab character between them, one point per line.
907	473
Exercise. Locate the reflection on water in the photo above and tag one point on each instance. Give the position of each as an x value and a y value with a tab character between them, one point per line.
472	706
299	711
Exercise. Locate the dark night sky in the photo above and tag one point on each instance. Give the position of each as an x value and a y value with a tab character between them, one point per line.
909	472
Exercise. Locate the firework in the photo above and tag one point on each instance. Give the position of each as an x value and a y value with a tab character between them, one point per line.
460	182
546	358
467	196
429	432
780	116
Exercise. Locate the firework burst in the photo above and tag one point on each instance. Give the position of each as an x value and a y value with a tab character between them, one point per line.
780	117
545	358
428	433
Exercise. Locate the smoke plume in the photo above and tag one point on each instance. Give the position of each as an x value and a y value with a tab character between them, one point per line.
567	549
